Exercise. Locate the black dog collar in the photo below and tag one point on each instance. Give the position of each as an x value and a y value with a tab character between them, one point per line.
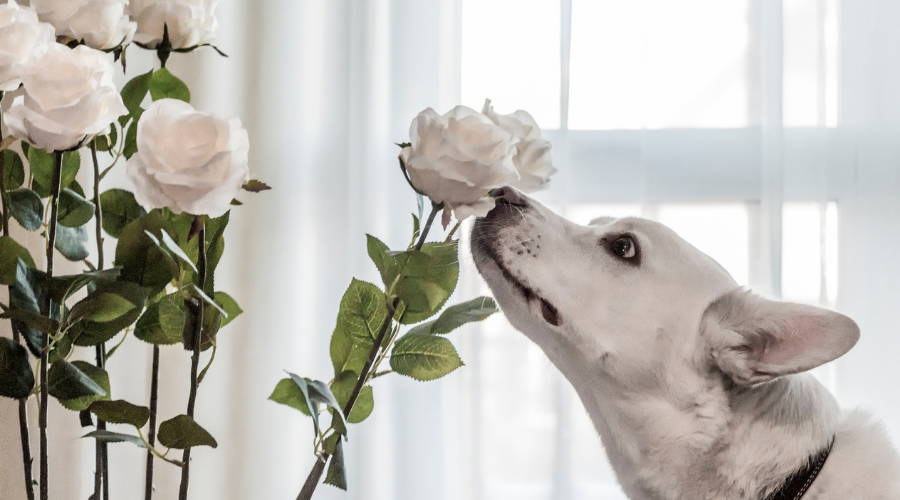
798	483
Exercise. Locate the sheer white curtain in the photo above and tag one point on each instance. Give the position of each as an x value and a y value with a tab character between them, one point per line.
764	131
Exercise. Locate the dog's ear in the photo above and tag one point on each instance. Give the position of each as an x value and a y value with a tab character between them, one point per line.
753	339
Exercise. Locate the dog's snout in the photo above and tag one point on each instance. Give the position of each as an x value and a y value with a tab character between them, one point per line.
509	195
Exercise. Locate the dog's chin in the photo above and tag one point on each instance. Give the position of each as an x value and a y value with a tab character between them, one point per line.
507	285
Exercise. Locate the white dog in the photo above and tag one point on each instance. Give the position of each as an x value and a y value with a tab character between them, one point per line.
692	382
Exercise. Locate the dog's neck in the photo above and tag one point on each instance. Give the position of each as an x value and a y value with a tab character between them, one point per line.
702	440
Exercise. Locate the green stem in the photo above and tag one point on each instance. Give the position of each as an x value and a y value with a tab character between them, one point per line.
101	464
23	407
315	475
435	208
195	358
3	203
45	339
368	372
152	450
151	433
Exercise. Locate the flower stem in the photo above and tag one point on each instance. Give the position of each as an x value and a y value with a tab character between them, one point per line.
23	408
435	208
151	433
195	358
101	474
3	204
315	475
368	372
45	338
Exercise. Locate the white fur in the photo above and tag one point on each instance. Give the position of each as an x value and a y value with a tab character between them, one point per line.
691	382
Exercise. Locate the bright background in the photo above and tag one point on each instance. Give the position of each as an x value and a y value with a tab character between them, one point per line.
764	131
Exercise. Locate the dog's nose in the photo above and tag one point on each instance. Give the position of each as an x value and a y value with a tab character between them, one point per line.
509	195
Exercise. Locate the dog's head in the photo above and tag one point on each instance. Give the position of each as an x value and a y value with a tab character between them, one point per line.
628	302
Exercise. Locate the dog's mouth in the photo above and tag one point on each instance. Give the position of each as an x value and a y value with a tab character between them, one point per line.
548	310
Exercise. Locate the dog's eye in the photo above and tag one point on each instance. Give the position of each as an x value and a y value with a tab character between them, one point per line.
624	247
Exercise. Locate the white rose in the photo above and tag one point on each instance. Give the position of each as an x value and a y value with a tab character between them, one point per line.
532	159
22	39
190	22
457	158
69	98
188	161
102	24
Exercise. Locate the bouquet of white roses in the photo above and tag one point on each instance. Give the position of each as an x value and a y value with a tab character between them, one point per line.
187	167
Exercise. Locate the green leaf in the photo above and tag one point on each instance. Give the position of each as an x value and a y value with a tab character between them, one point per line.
163	322
62	287
134	92
183	432
428	278
288	393
94	332
330	443
416	230
28	294
130	147
68	381
100	307
121	412
424	357
114	437
319	392
423	298
229	305
119	209
215	244
455	316
10	253
62	348
74	210
13	171
107	142
312	408
343	386
32	320
42	166
382	258
139	257
99	376
26	207
16	377
362	312
336	475
255	186
163	84
71	242
169	244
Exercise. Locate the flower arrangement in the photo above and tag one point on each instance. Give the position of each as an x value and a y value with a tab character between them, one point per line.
455	160
57	62
187	168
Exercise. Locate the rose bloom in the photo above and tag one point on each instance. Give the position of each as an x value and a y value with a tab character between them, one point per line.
190	22
22	39
456	158
187	160
69	98
532	158
102	24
